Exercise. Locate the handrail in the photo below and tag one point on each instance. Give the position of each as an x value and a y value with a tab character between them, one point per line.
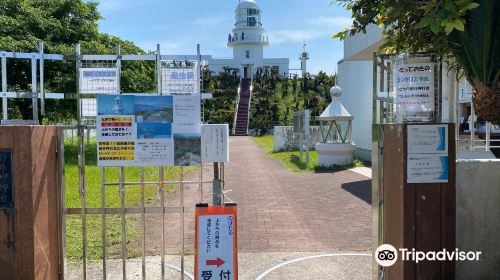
249	103
237	105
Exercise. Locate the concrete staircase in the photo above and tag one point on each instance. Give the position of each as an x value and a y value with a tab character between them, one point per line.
241	124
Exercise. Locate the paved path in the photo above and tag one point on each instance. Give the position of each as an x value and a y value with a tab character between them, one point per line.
280	210
282	215
283	211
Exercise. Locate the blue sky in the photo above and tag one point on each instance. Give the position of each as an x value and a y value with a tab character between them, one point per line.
179	25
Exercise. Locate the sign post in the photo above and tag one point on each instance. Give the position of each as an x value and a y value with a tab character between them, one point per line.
216	255
301	121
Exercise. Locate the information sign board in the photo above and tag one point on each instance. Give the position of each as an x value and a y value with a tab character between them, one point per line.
415	90
216	256
214	143
427	149
148	130
301	121
427	139
180	80
98	80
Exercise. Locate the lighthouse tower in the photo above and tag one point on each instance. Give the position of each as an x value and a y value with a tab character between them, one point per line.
304	57
247	38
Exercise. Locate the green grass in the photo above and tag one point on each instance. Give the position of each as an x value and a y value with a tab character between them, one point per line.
74	242
292	161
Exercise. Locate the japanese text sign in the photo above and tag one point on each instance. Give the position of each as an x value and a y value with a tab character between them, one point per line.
216	255
427	148
415	90
98	80
180	80
214	143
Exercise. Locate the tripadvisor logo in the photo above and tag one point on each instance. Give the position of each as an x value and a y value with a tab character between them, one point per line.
387	255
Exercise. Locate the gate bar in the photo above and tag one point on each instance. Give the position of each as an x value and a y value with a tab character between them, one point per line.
4	87
143	226
156	183
34	100
81	164
103	221
124	223
162	197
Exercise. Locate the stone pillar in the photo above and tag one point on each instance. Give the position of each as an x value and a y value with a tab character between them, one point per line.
30	218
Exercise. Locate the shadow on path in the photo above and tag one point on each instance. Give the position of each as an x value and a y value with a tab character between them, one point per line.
360	189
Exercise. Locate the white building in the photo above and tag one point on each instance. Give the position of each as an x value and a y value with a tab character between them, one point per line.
248	40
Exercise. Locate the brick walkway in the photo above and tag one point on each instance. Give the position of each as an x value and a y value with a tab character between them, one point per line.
280	210
283	211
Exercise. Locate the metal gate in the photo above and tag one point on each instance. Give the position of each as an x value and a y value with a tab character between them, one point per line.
123	183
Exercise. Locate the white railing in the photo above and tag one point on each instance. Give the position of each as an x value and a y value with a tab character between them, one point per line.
236	112
248	38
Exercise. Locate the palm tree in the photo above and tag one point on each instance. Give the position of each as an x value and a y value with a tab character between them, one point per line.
477	52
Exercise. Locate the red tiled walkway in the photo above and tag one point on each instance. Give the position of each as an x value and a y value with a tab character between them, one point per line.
280	210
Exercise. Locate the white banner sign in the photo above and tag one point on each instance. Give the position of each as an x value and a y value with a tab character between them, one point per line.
427	148
214	143
414	86
427	139
180	80
465	91
98	80
427	168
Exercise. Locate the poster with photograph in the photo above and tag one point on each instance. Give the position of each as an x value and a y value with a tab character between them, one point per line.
148	130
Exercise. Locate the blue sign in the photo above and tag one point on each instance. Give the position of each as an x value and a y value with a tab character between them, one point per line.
6	197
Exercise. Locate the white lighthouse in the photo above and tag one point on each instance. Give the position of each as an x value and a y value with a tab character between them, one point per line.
248	40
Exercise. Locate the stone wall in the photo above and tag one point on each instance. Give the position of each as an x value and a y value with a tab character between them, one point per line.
285	139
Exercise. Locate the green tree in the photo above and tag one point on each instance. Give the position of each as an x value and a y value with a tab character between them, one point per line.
462	32
61	24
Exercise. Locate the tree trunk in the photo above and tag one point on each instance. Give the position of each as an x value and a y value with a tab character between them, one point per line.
487	101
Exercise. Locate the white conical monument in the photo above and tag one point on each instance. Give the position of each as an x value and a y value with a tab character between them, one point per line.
336	147
247	38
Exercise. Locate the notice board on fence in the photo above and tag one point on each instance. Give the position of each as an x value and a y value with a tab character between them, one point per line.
98	80
216	254
148	130
214	143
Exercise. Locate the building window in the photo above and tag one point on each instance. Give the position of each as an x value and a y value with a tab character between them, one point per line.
247	54
252	11
251	21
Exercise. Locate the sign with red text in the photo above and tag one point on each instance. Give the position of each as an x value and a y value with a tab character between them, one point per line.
216	255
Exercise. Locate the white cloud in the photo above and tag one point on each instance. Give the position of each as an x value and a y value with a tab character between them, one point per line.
310	29
329	22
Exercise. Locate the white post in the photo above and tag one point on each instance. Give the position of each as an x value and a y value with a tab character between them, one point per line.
4	87
33	87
